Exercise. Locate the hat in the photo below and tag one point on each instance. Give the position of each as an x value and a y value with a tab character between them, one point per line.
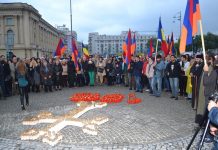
159	56
199	56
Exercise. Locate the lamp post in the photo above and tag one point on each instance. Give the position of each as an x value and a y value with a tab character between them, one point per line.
178	17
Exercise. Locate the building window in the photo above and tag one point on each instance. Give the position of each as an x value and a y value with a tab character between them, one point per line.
9	21
10	38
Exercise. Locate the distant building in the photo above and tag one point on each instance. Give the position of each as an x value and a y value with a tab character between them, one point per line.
112	44
67	37
24	32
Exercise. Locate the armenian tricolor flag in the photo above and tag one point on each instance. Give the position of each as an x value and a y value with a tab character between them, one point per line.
60	48
171	46
75	53
127	48
189	28
133	45
151	48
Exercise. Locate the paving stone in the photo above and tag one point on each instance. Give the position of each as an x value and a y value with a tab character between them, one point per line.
160	123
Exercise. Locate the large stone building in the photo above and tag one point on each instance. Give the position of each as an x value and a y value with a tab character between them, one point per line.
112	44
24	32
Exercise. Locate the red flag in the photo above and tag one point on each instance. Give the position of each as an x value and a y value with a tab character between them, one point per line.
60	48
75	53
133	45
151	47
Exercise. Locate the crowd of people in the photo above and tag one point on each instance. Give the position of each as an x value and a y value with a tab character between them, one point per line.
180	76
186	76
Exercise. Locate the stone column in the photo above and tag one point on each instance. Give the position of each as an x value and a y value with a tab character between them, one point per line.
26	27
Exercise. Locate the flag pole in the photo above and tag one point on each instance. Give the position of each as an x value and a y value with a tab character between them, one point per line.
202	41
156	50
71	30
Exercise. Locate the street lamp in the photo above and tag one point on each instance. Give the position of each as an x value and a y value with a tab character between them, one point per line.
178	17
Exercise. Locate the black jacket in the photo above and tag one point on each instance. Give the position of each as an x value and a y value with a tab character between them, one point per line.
173	69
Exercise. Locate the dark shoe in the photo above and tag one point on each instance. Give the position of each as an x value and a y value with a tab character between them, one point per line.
130	88
60	89
23	108
137	91
172	97
141	91
176	98
27	104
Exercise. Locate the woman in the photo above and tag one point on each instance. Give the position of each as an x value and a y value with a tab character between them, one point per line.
150	73
57	71
32	66
100	70
189	84
46	74
21	72
37	79
79	74
64	73
91	71
109	72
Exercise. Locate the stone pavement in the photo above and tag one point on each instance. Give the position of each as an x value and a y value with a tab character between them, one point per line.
156	123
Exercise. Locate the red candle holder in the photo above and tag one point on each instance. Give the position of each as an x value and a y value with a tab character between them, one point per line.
85	97
112	98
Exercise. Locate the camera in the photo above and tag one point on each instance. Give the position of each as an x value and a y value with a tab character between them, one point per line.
214	97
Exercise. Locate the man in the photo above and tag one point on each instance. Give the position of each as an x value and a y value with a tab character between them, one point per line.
173	70
130	74
184	64
137	71
12	65
158	75
196	73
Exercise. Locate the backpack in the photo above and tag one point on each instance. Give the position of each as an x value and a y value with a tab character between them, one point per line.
22	81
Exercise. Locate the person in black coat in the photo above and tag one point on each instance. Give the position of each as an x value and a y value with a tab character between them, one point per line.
109	72
2	81
85	71
7	77
71	69
46	74
137	71
57	71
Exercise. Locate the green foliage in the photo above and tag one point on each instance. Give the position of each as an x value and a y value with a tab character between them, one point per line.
210	40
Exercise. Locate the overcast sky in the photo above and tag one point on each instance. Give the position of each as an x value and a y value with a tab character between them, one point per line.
113	16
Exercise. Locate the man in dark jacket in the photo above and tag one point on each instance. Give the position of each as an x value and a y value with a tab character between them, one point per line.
137	71
2	82
173	70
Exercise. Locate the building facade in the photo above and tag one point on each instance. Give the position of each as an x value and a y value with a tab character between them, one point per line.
112	44
24	32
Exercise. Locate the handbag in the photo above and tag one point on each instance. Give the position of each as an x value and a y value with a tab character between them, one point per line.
22	82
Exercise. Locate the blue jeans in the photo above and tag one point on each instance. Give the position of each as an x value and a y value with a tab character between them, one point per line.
174	83
166	83
150	80
138	83
157	86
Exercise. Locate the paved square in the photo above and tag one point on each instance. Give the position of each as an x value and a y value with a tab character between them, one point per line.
156	123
